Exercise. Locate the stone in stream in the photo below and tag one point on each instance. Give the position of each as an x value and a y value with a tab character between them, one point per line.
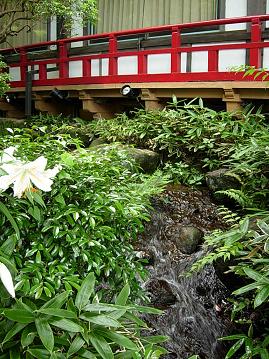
188	239
221	179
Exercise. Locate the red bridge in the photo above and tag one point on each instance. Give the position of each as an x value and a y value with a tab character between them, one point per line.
187	60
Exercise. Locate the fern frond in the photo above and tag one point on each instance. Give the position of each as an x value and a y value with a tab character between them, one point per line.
234	175
228	216
238	196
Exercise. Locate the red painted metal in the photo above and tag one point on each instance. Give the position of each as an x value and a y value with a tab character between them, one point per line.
63	58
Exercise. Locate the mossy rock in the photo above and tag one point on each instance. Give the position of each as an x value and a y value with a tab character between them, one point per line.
147	160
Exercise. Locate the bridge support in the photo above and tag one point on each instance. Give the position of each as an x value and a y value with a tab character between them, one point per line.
232	99
11	111
94	109
51	106
151	101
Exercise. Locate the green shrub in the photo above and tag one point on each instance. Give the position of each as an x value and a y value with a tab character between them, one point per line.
87	222
184	131
77	327
247	245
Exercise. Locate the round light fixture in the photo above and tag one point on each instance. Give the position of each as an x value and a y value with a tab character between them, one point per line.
128	91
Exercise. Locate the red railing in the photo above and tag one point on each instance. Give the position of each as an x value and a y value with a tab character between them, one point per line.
81	69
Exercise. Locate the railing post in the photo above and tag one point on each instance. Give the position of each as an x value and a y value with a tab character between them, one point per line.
63	56
175	56
86	68
23	64
42	72
142	64
213	60
256	36
112	67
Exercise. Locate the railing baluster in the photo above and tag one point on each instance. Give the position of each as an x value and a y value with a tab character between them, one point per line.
23	63
87	68
112	66
213	60
175	56
142	64
42	72
63	56
256	36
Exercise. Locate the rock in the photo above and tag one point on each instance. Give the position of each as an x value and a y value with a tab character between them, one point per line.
161	293
220	180
188	238
97	142
146	159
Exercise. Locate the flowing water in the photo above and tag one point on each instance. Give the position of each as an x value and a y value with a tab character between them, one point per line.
194	307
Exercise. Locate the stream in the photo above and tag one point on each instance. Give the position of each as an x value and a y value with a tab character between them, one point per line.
194	314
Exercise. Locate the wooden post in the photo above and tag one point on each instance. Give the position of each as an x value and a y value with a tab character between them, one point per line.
256	36
63	57
112	67
175	56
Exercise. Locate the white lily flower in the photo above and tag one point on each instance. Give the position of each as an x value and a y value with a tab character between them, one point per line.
7	155
24	175
6	279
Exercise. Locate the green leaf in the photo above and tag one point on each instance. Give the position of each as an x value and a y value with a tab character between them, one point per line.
39	353
57	301
264	353
123	295
8	215
45	333
62	313
121	340
101	346
68	325
13	331
246	288
14	354
75	346
262	296
38	199
9	245
19	315
85	291
234	348
101	320
86	354
28	335
256	275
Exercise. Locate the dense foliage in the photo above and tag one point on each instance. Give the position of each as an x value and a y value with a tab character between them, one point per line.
198	139
51	241
3	79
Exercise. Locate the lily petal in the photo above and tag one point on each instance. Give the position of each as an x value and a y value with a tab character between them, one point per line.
7	155
39	164
41	181
6	181
6	279
51	173
21	184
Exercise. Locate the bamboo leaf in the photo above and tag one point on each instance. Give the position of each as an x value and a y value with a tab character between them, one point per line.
75	346
85	291
13	331
8	215
123	295
62	313
101	346
45	333
262	296
68	325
